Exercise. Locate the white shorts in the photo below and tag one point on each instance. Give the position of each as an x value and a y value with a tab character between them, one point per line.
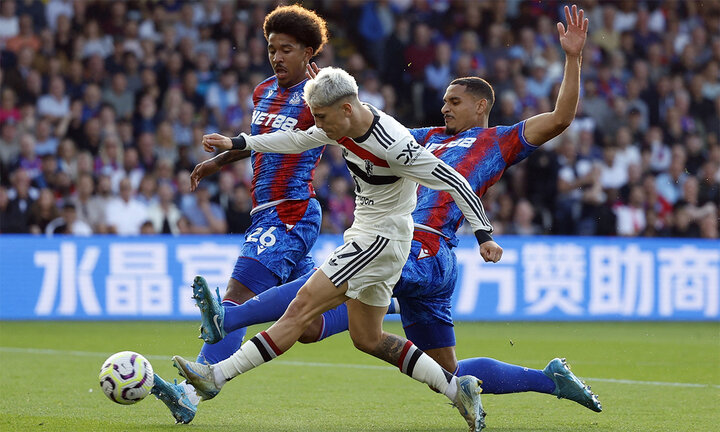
371	264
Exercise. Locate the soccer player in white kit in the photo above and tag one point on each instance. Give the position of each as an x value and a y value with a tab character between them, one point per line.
387	164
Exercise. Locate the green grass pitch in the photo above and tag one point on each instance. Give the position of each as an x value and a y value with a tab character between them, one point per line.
650	377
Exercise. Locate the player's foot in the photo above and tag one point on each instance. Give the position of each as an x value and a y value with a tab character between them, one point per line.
468	402
175	398
568	386
212	312
199	375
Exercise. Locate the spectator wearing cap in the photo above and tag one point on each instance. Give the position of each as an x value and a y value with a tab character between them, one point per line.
68	223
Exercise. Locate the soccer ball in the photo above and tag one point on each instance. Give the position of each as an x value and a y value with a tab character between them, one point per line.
126	377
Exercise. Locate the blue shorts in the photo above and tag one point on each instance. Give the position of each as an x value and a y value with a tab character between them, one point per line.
279	239
424	292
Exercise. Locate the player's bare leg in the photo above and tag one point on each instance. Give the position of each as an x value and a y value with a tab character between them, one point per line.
365	325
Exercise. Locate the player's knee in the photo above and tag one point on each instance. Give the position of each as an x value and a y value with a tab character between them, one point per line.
237	292
299	312
365	342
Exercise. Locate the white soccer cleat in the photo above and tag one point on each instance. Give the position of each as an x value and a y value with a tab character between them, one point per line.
199	375
467	401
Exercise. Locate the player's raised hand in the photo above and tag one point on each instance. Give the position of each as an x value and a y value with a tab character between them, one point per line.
573	38
491	251
215	141
202	170
312	70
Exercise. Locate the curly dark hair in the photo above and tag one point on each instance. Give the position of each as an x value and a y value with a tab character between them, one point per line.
477	87
302	24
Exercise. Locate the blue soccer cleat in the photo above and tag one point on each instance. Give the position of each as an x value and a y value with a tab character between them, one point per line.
175	398
211	310
199	375
568	386
467	401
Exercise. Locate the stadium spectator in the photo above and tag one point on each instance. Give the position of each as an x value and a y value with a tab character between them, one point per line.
56	104
42	211
650	85
205	216
68	223
164	214
237	213
125	214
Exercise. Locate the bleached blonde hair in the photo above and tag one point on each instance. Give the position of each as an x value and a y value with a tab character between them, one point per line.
329	86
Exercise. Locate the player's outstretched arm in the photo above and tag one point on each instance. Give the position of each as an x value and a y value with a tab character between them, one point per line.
545	126
409	159
213	165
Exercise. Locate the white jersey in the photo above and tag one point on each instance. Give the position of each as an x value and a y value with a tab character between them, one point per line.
386	164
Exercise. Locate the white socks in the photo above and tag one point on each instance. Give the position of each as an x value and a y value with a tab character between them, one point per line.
258	350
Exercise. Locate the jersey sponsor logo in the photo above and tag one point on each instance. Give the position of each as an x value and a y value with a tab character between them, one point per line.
361	200
295	99
275	121
410	153
462	142
424	253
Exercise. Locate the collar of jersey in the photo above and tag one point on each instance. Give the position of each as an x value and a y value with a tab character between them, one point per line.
376	119
284	89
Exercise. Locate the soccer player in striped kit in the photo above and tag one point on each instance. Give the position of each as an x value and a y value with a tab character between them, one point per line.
286	216
429	276
386	164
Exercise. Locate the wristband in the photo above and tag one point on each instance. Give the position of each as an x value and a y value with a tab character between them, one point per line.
238	143
483	236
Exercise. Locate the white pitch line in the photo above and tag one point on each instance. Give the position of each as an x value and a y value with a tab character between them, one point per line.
45	351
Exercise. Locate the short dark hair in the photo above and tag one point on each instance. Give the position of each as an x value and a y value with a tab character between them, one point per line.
302	24
478	87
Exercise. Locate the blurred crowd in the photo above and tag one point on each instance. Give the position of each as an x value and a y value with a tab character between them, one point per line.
103	106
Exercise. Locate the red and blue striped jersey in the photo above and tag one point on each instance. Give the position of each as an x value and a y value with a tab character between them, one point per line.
281	176
480	155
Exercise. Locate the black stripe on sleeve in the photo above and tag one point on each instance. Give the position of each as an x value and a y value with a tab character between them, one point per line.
442	173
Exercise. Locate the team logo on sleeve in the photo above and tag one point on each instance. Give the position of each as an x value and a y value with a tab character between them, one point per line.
410	153
369	167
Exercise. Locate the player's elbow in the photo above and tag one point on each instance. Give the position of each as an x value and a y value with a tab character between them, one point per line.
561	121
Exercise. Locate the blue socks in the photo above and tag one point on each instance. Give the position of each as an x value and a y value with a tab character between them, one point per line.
264	307
501	378
225	348
334	321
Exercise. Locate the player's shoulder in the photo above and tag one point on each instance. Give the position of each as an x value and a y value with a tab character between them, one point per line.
424	135
386	129
268	83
